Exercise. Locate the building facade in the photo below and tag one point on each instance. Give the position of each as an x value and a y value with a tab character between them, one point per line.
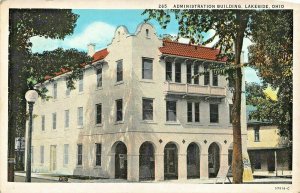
137	113
270	154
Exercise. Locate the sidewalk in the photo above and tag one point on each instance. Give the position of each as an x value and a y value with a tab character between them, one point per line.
54	177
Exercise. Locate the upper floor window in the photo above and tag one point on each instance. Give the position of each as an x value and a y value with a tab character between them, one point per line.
196	74
177	72
98	113
197	112
214	113
215	79
171	110
147	33
98	154
256	134
119	110
67	118
99	77
53	120
55	90
147	109
230	82
80	116
206	76
68	90
168	71
119	70
189	112
230	112
81	82
43	122
189	73
79	154
147	68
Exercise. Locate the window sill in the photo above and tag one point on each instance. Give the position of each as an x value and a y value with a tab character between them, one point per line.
213	124
147	81
66	97
80	127
119	122
99	88
81	93
194	123
97	167
119	83
79	166
66	128
99	125
148	122
172	123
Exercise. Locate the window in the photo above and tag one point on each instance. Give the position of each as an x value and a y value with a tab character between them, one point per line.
230	82
55	90
189	112
43	122
99	77
32	155
53	120
81	82
168	71
196	74
67	118
119	113
98	154
147	32
42	154
66	154
214	113
230	112
119	70
80	116
215	79
257	162
256	134
177	72
206	76
98	113
147	109
197	112
171	110
147	68
68	90
79	154
189	73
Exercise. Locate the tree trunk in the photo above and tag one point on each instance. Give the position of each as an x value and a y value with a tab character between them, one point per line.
237	164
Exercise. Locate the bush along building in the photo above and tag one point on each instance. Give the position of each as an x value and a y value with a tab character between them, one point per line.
270	154
138	113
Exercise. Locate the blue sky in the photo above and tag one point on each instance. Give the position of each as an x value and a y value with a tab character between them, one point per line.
98	26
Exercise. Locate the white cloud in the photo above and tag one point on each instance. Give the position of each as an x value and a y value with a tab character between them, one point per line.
99	33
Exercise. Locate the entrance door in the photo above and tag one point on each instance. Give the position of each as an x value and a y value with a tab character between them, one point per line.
121	161
271	161
171	161
147	162
213	160
52	157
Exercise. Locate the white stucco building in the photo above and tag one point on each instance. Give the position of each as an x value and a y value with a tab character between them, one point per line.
137	113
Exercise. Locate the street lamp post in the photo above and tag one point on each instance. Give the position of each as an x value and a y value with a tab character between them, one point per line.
31	96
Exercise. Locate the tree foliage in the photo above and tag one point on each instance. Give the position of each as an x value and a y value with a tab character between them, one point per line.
272	56
27	69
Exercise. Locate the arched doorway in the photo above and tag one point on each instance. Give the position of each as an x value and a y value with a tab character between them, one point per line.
147	162
213	160
193	161
121	161
171	161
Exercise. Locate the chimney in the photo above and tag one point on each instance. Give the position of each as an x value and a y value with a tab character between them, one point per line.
91	49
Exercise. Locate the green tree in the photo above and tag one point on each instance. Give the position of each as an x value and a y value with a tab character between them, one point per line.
230	27
27	69
272	56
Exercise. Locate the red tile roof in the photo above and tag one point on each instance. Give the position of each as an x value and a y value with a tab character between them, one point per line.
99	55
191	51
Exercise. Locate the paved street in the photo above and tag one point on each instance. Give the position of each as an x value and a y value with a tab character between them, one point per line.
22	179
